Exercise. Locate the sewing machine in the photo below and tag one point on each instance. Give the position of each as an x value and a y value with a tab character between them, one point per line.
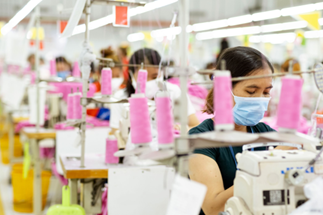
271	182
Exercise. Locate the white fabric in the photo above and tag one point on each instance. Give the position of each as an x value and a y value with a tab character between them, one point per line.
115	83
117	109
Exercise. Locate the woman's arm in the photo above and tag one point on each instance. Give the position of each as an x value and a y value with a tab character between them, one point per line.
205	170
193	121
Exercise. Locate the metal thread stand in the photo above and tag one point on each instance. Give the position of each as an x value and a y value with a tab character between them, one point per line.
37	199
182	144
87	11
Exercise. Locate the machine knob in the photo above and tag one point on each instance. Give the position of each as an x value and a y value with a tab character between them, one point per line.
295	177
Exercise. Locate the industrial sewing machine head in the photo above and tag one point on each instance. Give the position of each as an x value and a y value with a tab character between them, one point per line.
271	182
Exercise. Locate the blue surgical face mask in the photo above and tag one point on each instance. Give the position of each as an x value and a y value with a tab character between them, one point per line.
63	74
249	111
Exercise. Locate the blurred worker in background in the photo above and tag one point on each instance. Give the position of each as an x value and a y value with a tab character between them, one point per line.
63	67
32	62
295	65
148	57
123	55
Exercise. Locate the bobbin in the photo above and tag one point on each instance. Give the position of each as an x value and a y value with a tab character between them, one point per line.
76	70
289	107
52	68
106	78
70	106
77	105
141	81
140	135
223	102
111	147
164	117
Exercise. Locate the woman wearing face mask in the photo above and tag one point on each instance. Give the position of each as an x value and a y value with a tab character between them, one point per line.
216	167
63	67
148	57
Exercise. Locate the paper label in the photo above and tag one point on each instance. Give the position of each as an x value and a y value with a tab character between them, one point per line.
121	16
32	99
186	198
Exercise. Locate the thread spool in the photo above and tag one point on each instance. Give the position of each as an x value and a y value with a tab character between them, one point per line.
70	106
106	79
111	147
76	70
290	101
52	67
222	101
77	107
141	81
164	114
139	120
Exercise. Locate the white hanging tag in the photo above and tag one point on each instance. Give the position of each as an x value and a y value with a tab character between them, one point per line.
186	198
32	100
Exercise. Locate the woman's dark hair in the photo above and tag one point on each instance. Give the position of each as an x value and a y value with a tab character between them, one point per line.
109	53
61	59
146	56
240	61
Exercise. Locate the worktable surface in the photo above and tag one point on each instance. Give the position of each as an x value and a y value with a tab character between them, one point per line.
19	119
43	133
94	166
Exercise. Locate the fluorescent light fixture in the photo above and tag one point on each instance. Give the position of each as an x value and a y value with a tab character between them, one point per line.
283	26
240	20
20	16
29	34
298	10
204	36
210	25
189	29
319	6
236	32
135	37
274	38
132	12
255	39
266	15
166	32
228	33
313	34
171	37
321	21
251	30
94	24
159	39
150	6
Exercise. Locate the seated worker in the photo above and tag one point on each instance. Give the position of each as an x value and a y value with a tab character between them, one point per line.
148	57
216	167
63	67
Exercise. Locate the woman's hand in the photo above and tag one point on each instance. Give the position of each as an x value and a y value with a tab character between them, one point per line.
286	148
177	127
